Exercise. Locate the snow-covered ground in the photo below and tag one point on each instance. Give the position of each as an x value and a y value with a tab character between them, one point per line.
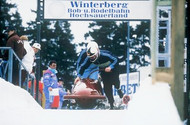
151	105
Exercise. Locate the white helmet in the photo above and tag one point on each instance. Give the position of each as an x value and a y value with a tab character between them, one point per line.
92	51
37	45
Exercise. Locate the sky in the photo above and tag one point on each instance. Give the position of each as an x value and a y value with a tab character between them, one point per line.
151	105
24	8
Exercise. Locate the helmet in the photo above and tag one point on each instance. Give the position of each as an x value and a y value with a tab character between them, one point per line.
93	51
37	45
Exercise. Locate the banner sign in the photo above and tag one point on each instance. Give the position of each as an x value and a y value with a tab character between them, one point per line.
97	10
134	83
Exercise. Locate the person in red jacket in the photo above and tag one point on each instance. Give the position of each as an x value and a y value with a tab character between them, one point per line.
17	45
41	86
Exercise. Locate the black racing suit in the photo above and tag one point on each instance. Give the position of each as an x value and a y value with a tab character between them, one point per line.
105	59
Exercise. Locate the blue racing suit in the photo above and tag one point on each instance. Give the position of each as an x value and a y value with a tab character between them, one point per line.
88	70
105	59
49	80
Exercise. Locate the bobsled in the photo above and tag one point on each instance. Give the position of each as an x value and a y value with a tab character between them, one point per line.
86	93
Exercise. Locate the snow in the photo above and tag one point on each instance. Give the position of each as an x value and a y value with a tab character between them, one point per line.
151	105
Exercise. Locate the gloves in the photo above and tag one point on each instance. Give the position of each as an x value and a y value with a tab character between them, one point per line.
76	80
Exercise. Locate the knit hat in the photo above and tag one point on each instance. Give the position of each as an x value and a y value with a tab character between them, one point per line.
37	45
10	28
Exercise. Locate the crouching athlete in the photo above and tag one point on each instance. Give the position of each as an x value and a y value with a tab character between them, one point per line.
102	59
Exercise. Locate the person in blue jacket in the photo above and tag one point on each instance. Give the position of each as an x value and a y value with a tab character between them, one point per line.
62	92
50	82
92	72
90	69
106	61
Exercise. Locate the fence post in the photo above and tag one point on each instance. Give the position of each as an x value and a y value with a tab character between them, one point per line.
10	63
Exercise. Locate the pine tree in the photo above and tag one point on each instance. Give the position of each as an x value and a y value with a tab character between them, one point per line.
56	44
141	44
65	53
112	36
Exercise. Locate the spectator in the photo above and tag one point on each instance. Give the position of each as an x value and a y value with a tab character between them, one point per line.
62	92
17	45
28	59
40	88
50	82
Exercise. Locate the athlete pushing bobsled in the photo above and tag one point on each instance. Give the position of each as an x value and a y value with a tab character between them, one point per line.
91	59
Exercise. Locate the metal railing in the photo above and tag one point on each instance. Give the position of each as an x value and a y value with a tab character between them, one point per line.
6	70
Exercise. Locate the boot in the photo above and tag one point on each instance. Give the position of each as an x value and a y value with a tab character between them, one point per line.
111	106
120	93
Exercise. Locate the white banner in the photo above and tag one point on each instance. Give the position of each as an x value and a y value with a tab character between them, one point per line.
54	92
133	85
95	10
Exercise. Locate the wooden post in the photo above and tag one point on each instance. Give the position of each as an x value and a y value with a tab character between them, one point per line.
177	66
174	75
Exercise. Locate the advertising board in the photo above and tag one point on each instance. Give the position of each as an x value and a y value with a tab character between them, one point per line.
97	10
